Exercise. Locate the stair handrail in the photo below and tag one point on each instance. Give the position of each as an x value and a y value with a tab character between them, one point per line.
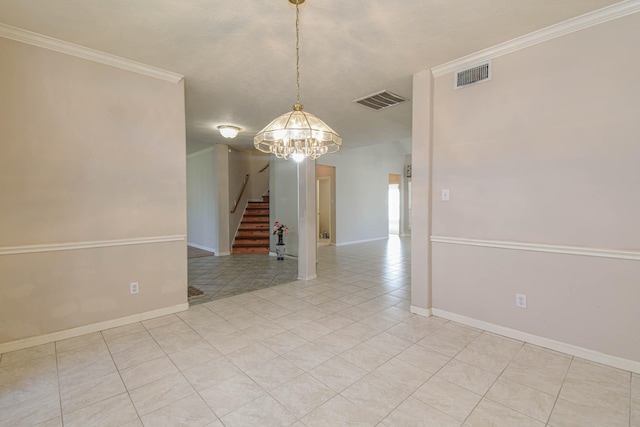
237	202
264	168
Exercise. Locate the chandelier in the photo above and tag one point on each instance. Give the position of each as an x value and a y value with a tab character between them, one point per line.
297	134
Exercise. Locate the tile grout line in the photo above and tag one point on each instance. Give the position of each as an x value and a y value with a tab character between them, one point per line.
630	398
454	358
55	348
555	402
120	374
523	385
218	417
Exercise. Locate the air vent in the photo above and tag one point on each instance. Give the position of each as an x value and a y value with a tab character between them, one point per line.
381	100
469	76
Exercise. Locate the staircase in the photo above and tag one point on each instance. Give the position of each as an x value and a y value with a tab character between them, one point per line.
254	232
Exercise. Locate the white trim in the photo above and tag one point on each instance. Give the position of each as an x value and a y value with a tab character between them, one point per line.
204	248
310	277
87	329
222	253
362	241
578	23
61	46
426	312
28	249
585	353
538	247
244	211
285	255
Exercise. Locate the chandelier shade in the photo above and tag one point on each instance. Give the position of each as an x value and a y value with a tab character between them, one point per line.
297	134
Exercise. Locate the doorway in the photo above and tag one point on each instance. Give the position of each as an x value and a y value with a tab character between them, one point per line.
325	205
394	204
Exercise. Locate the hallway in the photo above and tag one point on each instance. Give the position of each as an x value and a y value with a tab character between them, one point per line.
221	277
339	350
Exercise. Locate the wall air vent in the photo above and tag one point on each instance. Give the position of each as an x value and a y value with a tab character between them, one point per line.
469	76
381	100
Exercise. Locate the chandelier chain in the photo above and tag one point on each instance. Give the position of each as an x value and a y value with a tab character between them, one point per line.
298	52
297	134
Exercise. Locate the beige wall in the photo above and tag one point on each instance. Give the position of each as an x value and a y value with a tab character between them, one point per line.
283	202
421	191
239	168
259	181
202	200
362	189
90	154
545	153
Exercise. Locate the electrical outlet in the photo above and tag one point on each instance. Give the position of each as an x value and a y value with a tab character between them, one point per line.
521	300
134	288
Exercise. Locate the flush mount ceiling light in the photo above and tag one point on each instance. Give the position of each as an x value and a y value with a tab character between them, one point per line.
228	131
297	134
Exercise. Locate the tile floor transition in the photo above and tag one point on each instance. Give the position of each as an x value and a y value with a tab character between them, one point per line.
340	350
222	277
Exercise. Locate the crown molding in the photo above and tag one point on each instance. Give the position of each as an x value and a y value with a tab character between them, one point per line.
578	23
56	45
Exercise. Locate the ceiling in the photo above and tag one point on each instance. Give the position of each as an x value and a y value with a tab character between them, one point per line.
238	56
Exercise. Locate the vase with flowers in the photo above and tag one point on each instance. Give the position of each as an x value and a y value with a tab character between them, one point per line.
280	230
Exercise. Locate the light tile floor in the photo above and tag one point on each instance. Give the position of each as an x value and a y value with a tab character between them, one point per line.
339	350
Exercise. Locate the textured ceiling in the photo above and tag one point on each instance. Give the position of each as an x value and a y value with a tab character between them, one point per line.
238	56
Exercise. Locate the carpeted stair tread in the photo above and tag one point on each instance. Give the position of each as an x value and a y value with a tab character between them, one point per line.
254	232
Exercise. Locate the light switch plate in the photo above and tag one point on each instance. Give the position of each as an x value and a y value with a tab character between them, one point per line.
445	195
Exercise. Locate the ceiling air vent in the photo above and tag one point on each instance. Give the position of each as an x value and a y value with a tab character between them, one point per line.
469	76
380	100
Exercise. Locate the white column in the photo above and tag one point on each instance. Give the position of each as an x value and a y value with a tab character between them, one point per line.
421	159
307	220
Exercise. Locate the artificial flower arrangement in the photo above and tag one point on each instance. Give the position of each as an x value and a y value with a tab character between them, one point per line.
280	229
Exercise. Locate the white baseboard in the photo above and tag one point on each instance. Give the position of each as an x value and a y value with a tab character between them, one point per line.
310	277
223	253
87	329
426	312
204	248
585	353
285	255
